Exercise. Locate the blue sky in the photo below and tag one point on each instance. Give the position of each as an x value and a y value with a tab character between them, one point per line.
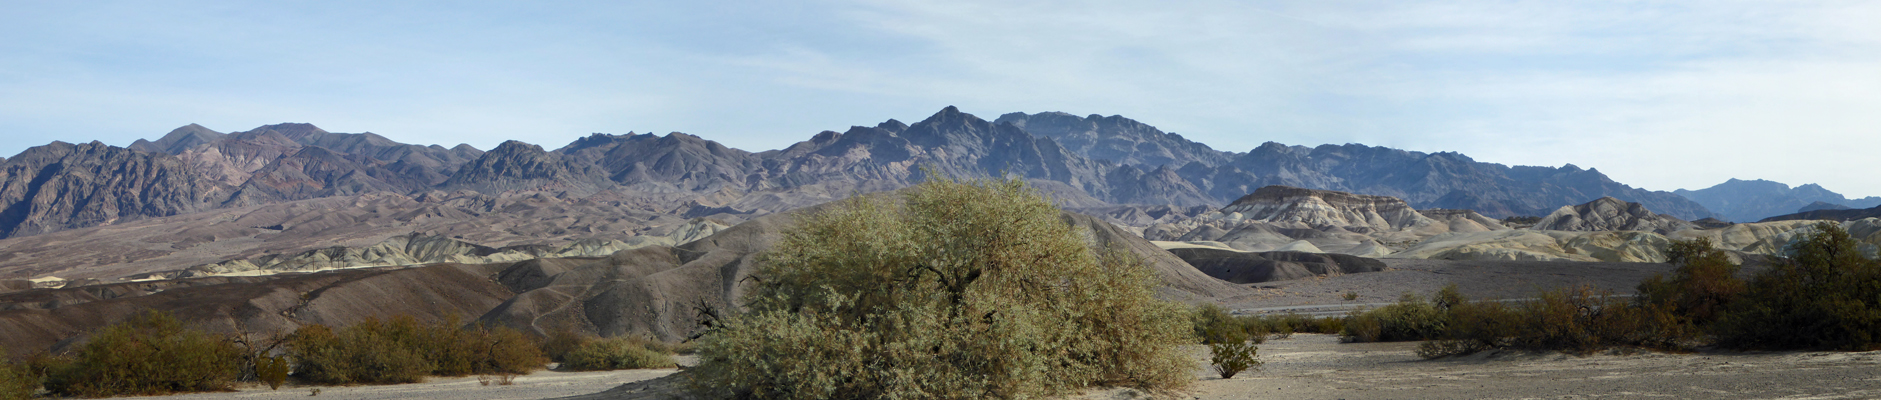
1661	95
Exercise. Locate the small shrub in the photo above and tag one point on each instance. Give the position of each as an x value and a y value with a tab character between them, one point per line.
1231	358
1350	296
271	370
149	354
612	354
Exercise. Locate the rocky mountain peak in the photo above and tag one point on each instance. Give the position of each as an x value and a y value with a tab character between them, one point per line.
179	140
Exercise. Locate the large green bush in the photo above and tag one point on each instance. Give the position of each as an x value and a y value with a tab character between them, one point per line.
149	354
1825	295
965	290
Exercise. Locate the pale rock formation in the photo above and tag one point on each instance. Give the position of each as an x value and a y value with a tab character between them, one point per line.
1610	214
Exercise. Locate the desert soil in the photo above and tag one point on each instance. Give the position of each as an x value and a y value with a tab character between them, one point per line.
1476	279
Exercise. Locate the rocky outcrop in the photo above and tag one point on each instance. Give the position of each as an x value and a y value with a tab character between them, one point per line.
1610	214
1288	218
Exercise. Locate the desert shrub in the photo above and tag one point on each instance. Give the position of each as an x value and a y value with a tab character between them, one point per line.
967	290
402	350
354	355
1704	283
271	370
1576	320
1411	318
17	381
615	353
1233	353
557	343
1824	295
1212	324
149	354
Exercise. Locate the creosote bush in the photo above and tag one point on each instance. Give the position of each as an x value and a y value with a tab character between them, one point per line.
402	350
149	354
966	290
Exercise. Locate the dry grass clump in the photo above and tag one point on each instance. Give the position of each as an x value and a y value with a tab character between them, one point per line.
968	290
402	350
149	354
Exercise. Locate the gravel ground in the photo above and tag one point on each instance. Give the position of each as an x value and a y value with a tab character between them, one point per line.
1319	367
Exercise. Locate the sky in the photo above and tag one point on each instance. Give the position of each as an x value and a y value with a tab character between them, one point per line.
1659	95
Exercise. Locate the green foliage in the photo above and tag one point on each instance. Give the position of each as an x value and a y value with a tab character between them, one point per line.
149	354
561	341
17	381
615	353
402	350
967	290
1825	295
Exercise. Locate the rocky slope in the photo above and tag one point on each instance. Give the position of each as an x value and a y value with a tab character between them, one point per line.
1753	200
59	186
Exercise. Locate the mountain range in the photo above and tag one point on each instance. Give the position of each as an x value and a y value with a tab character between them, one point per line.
1091	161
1754	200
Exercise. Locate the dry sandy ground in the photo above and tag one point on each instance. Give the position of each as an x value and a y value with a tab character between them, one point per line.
1308	366
1477	279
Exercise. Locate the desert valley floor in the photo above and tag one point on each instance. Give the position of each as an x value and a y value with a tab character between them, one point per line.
1316	366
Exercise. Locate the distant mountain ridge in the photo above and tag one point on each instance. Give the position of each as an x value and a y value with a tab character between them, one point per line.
1425	180
1754	200
1085	162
